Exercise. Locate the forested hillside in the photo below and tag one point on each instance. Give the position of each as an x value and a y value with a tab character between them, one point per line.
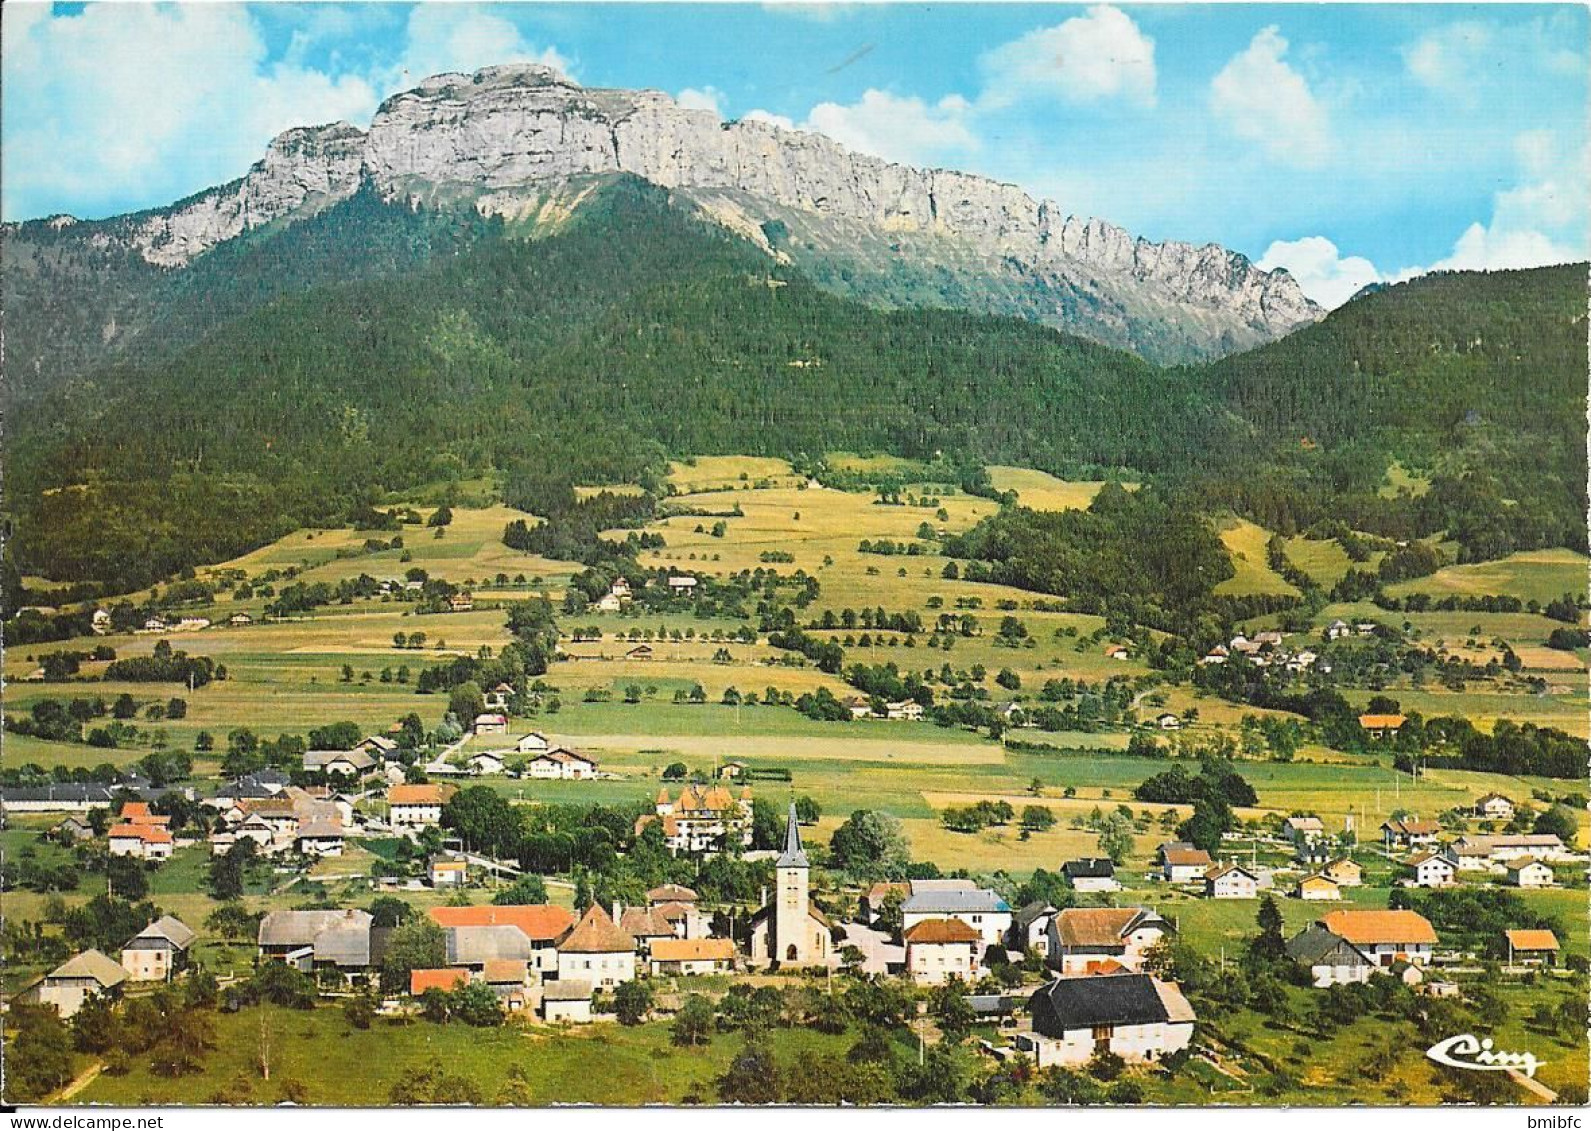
253	395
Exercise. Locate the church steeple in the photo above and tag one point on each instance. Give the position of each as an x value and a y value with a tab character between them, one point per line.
793	855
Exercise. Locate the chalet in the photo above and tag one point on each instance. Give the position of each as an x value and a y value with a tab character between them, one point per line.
596	951
1117	652
1303	831
540	923
1385	936
859	707
1432	869
609	603
639	652
691	956
1531	948
1084	940
1181	863
620	588
142	842
238	620
703	819
938	950
982	910
100	622
417	806
908	709
155	624
1230	881
567	1002
315	940
70	985
491	723
159	951
346	763
1133	1016
1030	928
1216	655
682	585
1317	887
460	603
1091	874
1381	726
1344	872
1268	639
561	765
485	764
1338	629
1168	721
533	743
497	698
1330	959
447	871
1408	832
1528	872
1494	806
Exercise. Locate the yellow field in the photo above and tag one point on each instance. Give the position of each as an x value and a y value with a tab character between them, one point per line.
1041	491
1245	543
1541	575
715	473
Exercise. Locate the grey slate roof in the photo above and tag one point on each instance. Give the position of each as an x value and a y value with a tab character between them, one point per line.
170	929
1318	946
61	791
318	759
93	965
1030	914
304	928
569	990
473	946
793	855
975	900
1091	868
1090	1000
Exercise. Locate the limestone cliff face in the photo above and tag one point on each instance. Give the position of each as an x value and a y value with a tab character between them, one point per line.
506	133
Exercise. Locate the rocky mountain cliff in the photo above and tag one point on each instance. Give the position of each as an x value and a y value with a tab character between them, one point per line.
507	138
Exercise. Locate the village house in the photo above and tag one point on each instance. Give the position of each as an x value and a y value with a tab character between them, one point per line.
681	585
417	806
1217	655
679	905
485	764
1531	948
1337	629
318	940
58	797
1385	937
461	603
490	722
609	603
860	707
155	623
689	957
353	763
979	908
70	985
142	842
643	924
238	620
1500	848
475	948
1528	872
640	652
703	819
542	924
871	904
1117	652
560	765
596	951
322	836
1330	959
938	950
789	931
72	829
159	951
1408	832
100	622
1432	869
904	709
1317	887
533	743
1091	874
496	698
1301	832
1133	1016
1230	881
447	871
1494	807
1181	863
1168	721
1344	872
566	1002
1381	726
1089	940
1030	928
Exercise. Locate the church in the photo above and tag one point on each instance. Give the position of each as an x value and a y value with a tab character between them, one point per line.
788	931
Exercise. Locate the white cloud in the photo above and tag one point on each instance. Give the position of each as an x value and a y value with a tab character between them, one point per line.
1462	60
707	98
1265	101
895	128
1324	274
769	119
463	37
1101	54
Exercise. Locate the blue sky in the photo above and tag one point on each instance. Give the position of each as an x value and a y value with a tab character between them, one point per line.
1348	143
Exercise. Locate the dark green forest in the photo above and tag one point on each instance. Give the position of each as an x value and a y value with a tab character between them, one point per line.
257	395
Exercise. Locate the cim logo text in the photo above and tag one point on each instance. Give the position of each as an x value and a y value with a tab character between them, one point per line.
1469	1051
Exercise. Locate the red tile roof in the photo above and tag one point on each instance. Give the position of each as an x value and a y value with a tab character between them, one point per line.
540	922
422	980
942	931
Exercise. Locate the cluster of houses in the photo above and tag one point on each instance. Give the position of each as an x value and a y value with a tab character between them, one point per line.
1523	860
701	819
902	710
288	818
1264	650
158	953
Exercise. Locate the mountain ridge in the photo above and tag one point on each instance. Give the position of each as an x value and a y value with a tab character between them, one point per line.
506	135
